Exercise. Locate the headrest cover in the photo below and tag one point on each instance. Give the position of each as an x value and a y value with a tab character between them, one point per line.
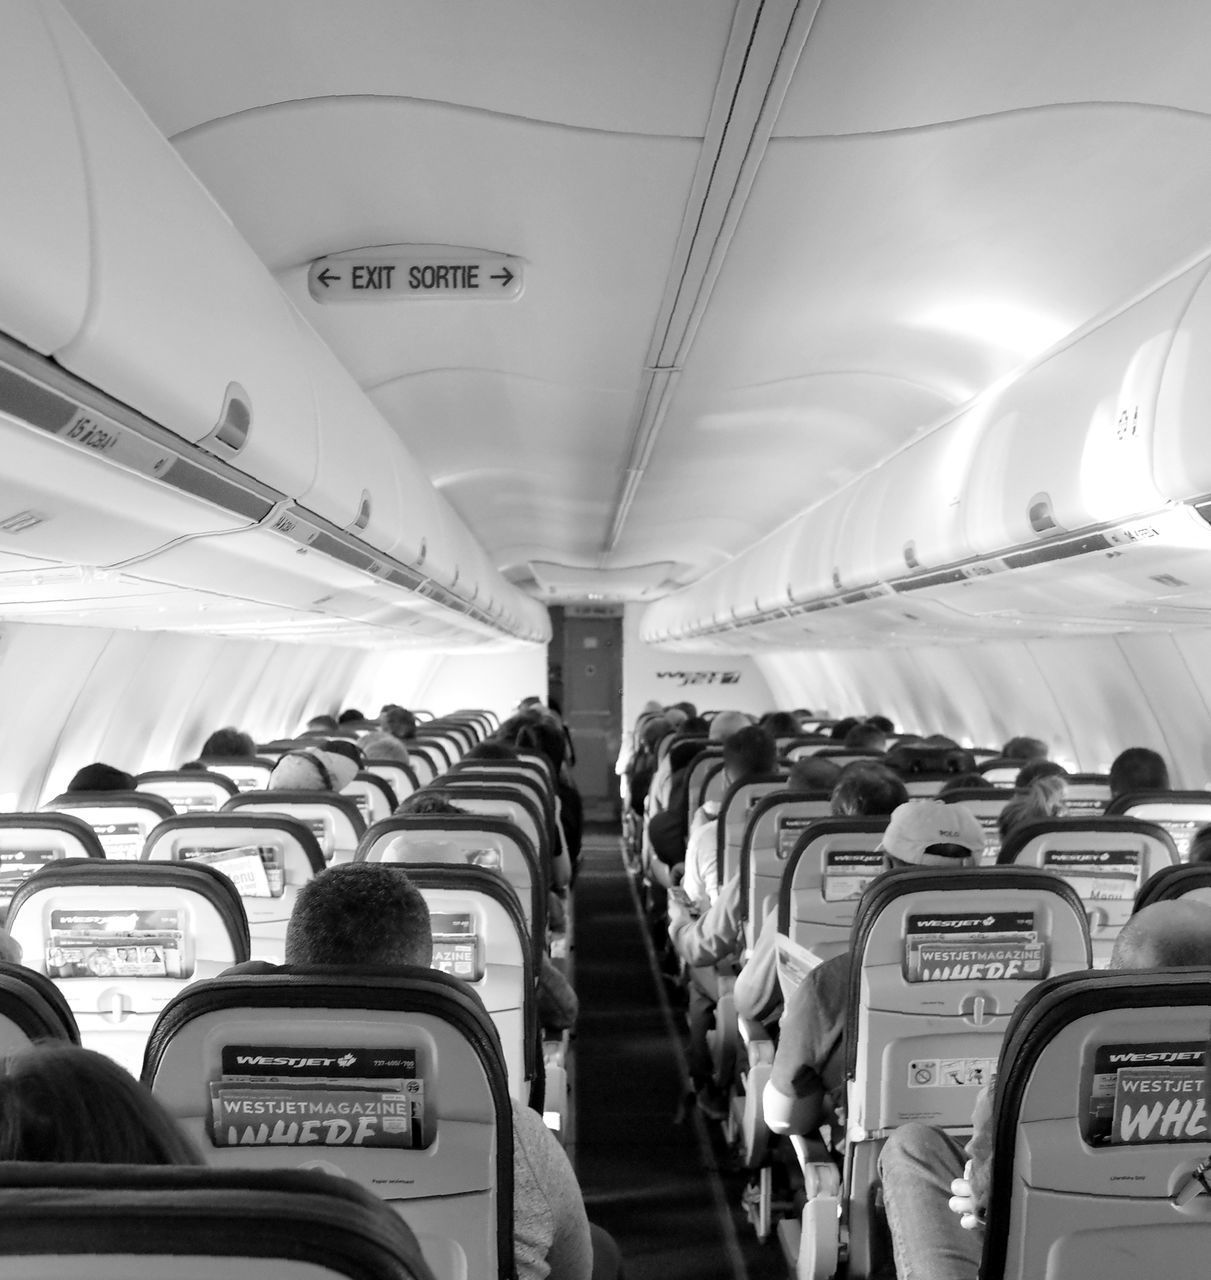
917	824
312	770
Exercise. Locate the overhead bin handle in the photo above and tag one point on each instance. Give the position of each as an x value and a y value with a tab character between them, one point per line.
230	434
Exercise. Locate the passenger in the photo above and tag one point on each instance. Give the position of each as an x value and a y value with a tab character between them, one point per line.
748	754
228	743
667	830
865	737
398	722
1138	769
1200	846
344	747
780	724
808	1068
1044	799
641	768
100	777
961	782
882	722
813	773
370	914
840	731
1024	749
320	724
936	1207
1035	769
350	716
713	937
384	746
66	1105
312	769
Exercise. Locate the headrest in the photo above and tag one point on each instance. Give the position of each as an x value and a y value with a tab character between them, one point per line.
312	770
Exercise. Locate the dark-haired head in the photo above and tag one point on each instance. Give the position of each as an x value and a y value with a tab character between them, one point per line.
228	743
1138	769
868	791
101	777
67	1105
491	749
360	913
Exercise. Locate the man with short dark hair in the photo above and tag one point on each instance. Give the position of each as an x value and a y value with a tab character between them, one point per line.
1138	769
371	914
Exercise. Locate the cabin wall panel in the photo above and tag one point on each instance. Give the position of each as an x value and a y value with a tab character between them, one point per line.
143	700
1087	697
720	682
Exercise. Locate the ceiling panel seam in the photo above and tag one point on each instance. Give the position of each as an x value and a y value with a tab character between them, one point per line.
763	51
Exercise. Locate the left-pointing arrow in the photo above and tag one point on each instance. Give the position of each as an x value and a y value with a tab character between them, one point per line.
326	277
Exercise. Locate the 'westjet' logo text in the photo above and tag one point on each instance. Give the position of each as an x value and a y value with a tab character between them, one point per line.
1188	1055
260	1060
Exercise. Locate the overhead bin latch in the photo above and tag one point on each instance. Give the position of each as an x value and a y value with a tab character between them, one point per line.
230	433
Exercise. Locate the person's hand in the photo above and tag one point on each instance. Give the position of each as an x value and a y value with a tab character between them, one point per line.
963	1201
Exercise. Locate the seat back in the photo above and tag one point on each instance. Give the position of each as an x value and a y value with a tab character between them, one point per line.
1086	794
248	775
829	867
926	783
985	805
120	939
771	832
1192	880
704	762
411	1053
31	840
144	1222
32	1009
1106	860
498	773
503	800
808	745
374	797
480	935
122	820
734	808
1100	1125
494	844
1001	771
188	790
443	751
333	819
1181	813
940	960
396	774
268	857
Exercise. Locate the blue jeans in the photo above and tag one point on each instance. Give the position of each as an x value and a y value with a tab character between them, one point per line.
917	1165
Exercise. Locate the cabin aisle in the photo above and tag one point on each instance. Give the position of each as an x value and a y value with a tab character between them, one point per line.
662	1188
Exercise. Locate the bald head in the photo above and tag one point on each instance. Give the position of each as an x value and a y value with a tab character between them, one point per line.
1165	935
728	722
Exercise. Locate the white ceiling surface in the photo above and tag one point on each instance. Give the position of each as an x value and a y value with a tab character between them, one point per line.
950	187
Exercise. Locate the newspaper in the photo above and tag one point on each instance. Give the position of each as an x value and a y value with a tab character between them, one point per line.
1147	1093
257	871
299	1096
116	944
960	948
794	962
1097	875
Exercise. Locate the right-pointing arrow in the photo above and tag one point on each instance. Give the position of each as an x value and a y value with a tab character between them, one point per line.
504	275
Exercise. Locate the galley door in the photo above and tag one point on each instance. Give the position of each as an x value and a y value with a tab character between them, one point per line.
586	659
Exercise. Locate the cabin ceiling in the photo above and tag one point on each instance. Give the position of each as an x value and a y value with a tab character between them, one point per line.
766	244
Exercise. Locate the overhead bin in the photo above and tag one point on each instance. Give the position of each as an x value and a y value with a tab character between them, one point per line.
183	322
365	481
44	231
1181	458
1068	444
